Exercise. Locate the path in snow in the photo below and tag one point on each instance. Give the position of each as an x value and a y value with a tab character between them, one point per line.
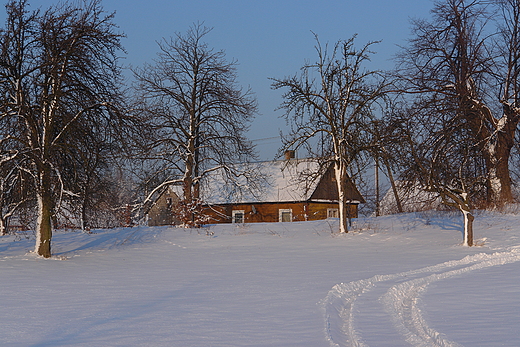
349	307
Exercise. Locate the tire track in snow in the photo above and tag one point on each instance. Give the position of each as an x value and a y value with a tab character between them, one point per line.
339	303
400	301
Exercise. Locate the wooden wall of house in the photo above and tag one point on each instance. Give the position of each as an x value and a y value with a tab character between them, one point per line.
162	212
270	212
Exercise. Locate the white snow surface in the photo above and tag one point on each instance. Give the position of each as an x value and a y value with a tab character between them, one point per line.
401	280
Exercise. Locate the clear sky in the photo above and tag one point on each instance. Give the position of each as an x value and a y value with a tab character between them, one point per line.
268	38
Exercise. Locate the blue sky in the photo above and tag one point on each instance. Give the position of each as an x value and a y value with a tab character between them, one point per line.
268	38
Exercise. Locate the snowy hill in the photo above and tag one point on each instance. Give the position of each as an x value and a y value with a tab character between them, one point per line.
395	281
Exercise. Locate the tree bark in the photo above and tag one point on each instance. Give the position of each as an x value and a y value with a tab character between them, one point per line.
44	224
394	187
468	228
376	173
341	180
461	201
497	153
3	226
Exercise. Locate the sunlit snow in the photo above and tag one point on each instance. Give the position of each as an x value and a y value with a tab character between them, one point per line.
402	280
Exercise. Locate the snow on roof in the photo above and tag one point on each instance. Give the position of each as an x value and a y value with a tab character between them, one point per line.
413	199
278	181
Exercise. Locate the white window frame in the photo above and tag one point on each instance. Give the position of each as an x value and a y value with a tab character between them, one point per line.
333	213
233	216
281	212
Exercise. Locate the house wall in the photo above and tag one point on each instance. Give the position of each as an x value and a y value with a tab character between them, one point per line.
270	212
316	208
161	213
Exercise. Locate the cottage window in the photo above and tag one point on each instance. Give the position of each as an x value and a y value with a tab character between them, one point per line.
238	216
285	215
332	213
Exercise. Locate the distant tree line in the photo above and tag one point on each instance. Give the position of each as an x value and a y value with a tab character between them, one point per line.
78	145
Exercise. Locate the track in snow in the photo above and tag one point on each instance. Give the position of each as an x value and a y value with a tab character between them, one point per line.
399	301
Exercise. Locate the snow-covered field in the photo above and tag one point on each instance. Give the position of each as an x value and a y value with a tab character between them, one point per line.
396	281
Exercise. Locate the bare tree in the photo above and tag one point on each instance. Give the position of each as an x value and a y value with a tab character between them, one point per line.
197	112
469	69
60	79
331	101
440	155
383	149
14	187
96	185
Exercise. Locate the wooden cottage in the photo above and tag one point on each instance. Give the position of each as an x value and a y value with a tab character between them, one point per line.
293	192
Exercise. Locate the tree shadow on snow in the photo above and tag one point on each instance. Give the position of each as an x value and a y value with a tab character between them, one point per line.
444	220
109	239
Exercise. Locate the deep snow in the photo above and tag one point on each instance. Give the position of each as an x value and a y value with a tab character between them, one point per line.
395	281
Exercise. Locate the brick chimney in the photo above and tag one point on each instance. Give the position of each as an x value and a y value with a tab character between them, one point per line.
290	154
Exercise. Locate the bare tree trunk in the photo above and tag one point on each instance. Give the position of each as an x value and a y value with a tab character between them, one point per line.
460	200
468	228
341	179
188	181
497	153
3	226
394	187
376	172
44	224
196	159
84	214
3	219
499	182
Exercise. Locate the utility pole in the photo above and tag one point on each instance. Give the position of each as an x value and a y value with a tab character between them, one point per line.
376	171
